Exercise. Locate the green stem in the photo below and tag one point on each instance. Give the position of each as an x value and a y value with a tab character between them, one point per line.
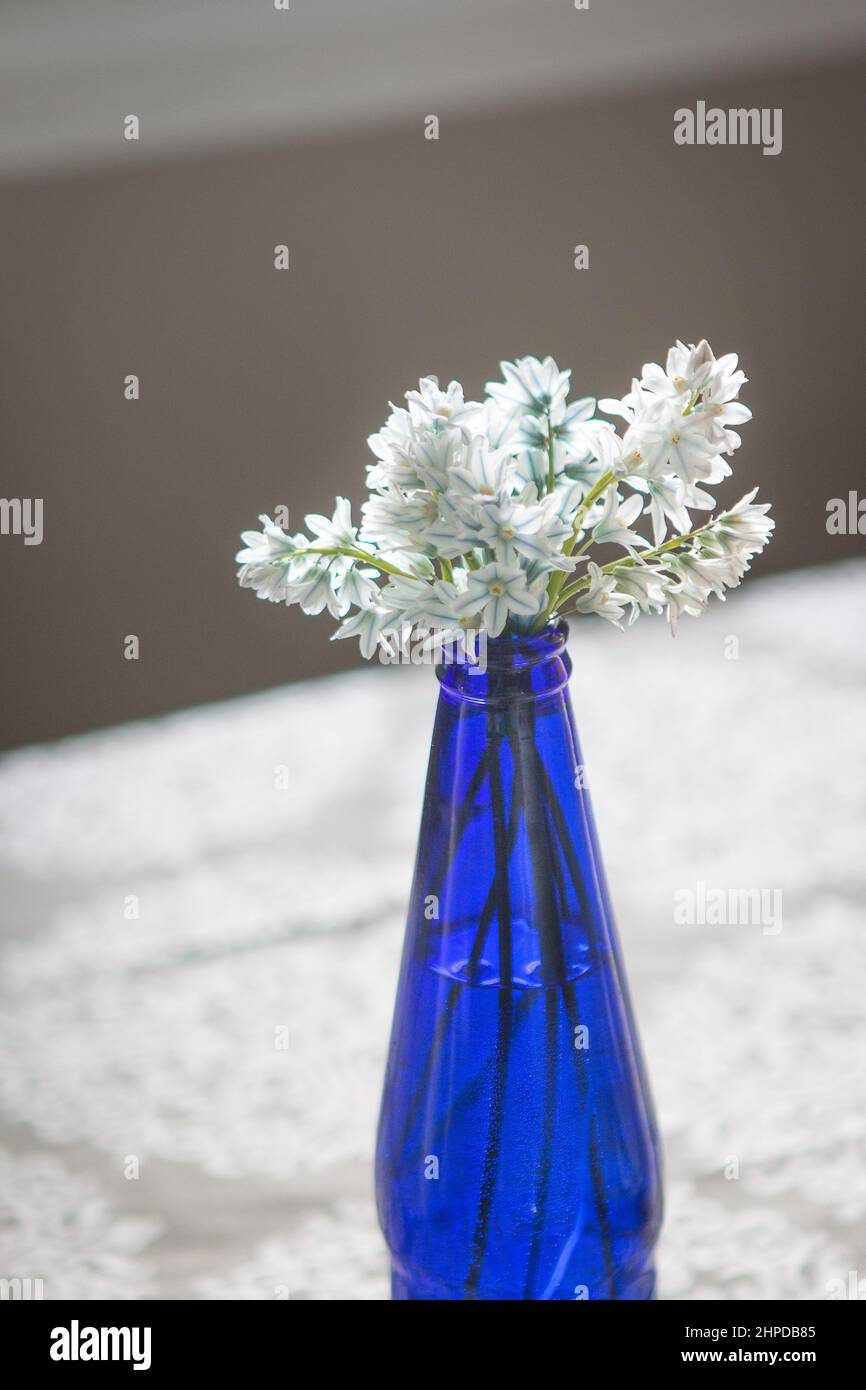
557	579
355	554
505	1015
551	475
593	495
673	544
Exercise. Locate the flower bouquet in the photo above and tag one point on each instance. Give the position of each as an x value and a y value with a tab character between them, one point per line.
517	1154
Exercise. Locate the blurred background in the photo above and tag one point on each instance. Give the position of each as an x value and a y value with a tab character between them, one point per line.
202	913
407	256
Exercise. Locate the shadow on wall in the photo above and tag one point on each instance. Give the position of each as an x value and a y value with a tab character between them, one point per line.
408	256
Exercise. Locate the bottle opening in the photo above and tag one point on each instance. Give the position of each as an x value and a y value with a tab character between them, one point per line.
492	668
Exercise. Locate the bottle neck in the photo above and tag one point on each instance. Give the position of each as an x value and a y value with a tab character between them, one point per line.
502	670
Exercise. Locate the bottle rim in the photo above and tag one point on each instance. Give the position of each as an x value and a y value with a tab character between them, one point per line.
512	655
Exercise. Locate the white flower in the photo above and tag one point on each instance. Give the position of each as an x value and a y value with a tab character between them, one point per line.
585	470
561	432
671	442
358	588
682	601
719	404
437	455
392	515
536	388
474	506
463	641
503	524
537	579
533	465
637	458
600	440
701	575
413	562
564	423
483	472
685	373
413	600
577	413
694	378
315	581
535	532
455	531
266	558
645	585
369	624
601	597
667	502
337	531
561	505
431	406
446	612
498	425
495	591
638	404
615	519
434	609
744	530
393	447
556	528
315	584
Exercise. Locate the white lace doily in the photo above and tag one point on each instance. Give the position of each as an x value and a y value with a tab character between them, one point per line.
227	1043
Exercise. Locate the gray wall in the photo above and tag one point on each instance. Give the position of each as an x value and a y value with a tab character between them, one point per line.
408	257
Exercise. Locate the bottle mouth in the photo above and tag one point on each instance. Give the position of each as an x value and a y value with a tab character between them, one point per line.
519	652
506	667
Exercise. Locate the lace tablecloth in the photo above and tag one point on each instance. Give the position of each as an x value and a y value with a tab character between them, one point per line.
202	925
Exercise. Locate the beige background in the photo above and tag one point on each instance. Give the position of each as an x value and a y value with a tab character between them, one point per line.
408	257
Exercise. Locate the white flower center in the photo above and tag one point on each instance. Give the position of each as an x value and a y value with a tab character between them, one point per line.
676	437
497	590
680	383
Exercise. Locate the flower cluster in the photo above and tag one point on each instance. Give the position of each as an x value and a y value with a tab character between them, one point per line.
491	515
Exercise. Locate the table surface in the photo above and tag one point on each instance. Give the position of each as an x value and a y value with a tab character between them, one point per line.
158	1140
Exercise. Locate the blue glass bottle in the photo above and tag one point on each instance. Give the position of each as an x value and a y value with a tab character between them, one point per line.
517	1155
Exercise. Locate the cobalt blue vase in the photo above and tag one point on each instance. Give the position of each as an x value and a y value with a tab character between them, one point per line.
517	1155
